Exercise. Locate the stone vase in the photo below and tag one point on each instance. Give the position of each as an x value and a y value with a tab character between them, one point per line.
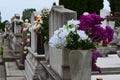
80	64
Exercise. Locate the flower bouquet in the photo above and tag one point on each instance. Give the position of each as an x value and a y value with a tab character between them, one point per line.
41	24
84	34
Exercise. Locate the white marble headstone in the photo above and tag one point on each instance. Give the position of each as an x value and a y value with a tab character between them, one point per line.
33	34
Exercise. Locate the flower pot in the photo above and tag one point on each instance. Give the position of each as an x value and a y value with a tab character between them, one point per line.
80	64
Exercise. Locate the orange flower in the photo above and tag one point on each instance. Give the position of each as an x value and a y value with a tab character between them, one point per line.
38	18
38	32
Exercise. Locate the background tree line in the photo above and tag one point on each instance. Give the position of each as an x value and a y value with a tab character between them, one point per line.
91	6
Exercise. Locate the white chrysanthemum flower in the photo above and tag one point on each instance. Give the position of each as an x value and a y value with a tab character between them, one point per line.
63	33
59	38
82	34
72	29
54	41
74	22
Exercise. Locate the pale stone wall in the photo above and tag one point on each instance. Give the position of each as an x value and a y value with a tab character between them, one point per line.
59	16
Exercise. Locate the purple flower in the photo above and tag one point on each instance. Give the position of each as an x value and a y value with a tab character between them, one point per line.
89	21
110	33
91	24
95	55
98	34
96	68
97	18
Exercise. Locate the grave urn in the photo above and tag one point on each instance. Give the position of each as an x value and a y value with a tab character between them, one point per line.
80	64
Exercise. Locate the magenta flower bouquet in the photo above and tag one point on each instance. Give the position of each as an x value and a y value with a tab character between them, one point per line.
91	24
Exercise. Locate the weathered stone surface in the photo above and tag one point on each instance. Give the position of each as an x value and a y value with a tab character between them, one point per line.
57	18
80	64
12	70
33	68
33	34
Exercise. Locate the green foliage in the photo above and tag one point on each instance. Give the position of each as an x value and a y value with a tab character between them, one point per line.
77	5
1	51
2	24
45	29
74	43
94	6
27	13
91	6
44	25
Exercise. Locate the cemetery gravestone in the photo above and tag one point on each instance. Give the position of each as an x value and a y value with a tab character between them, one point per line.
33	68
59	61
17	25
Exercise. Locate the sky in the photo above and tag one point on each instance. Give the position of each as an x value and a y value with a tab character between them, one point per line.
9	7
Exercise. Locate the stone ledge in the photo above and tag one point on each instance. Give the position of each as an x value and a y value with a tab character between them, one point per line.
15	78
41	57
50	71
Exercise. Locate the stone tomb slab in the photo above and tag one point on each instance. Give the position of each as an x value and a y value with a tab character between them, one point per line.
106	77
109	65
2	78
12	70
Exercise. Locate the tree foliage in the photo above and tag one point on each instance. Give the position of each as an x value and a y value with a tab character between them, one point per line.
91	6
114	5
2	24
94	6
27	13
